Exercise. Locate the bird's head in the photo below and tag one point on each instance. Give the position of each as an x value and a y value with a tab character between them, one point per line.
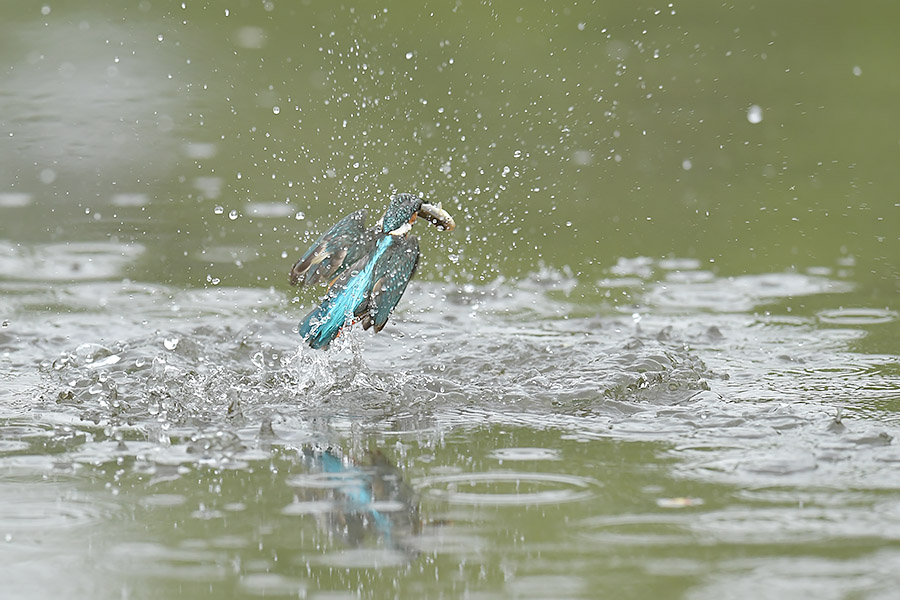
405	208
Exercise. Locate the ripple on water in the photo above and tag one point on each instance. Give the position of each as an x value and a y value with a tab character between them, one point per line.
69	261
791	524
323	481
225	302
163	500
679	264
508	488
857	316
548	586
17	437
613	531
271	584
795	524
774	465
808	575
30	509
516	454
455	539
362	558
184	563
308	507
740	294
8	446
19	431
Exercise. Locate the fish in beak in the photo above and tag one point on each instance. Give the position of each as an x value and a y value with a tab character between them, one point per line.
437	216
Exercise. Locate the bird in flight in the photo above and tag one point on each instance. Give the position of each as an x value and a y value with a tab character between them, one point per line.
367	270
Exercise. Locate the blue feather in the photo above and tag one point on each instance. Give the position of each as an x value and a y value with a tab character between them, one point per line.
356	488
323	324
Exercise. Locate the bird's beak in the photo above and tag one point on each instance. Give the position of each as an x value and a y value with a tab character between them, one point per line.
437	216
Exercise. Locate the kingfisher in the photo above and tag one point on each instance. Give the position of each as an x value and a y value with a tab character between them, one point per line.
367	269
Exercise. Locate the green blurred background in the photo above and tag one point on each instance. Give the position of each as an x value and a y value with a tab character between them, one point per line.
752	138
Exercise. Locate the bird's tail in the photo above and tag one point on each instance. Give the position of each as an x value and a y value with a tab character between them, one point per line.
322	325
312	329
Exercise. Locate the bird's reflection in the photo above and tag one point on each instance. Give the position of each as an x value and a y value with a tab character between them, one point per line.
370	502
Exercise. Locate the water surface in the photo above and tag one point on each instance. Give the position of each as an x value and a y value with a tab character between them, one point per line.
657	358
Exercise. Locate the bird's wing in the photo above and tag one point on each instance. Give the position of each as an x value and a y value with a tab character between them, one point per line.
336	249
347	295
392	273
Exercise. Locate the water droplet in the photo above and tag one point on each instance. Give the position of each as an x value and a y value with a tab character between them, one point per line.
160	37
300	216
233	214
857	70
409	55
755	114
686	164
5	323
678	502
45	10
219	210
276	109
857	316
170	343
